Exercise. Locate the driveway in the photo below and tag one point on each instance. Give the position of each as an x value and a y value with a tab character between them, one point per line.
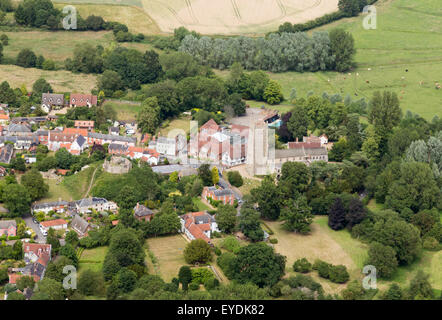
35	227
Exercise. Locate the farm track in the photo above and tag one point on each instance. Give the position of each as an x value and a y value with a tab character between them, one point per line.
192	14
236	10
172	11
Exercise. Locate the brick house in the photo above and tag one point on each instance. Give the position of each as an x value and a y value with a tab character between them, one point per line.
226	196
198	225
84	124
8	227
82	100
142	213
57	224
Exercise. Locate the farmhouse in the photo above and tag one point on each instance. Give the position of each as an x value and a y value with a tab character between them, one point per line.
142	213
8	227
57	224
82	100
198	225
81	226
48	100
226	196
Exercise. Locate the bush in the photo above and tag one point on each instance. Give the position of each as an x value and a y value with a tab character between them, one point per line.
197	251
338	274
194	286
231	244
431	243
302	265
201	275
273	241
235	178
323	268
225	262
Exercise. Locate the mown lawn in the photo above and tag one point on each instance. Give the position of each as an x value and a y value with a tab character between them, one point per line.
124	111
92	259
168	253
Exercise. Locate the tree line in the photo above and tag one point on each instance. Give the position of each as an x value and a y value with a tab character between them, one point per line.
276	52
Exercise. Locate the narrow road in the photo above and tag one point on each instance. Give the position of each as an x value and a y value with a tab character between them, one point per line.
91	183
35	227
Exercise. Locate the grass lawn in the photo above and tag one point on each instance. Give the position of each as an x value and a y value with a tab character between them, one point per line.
78	183
181	123
168	253
248	185
125	111
322	243
61	80
56	192
201	205
92	259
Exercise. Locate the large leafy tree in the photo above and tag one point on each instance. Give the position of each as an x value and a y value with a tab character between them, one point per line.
268	197
226	218
385	112
295	178
299	122
41	86
416	188
249	223
342	48
198	251
383	258
148	117
259	264
336	215
34	183
16	199
296	215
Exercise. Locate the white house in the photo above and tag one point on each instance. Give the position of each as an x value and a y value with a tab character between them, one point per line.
198	225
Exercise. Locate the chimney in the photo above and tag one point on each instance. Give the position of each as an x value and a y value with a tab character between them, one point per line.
296	139
138	205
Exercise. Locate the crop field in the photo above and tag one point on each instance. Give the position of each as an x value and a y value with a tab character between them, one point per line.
129	12
209	17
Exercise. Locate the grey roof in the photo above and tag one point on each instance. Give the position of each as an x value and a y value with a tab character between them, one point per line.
81	140
17	127
206	218
117	146
41	133
111	137
39	206
5	224
52	99
114	129
79	224
88	202
142	211
220	192
29	119
300	152
166	140
6	153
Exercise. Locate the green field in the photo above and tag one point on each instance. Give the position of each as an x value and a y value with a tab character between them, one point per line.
124	111
408	37
92	259
168	253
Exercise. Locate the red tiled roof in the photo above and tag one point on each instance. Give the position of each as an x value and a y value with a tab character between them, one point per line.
75	131
211	124
4	117
296	145
82	99
14	277
52	223
34	247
